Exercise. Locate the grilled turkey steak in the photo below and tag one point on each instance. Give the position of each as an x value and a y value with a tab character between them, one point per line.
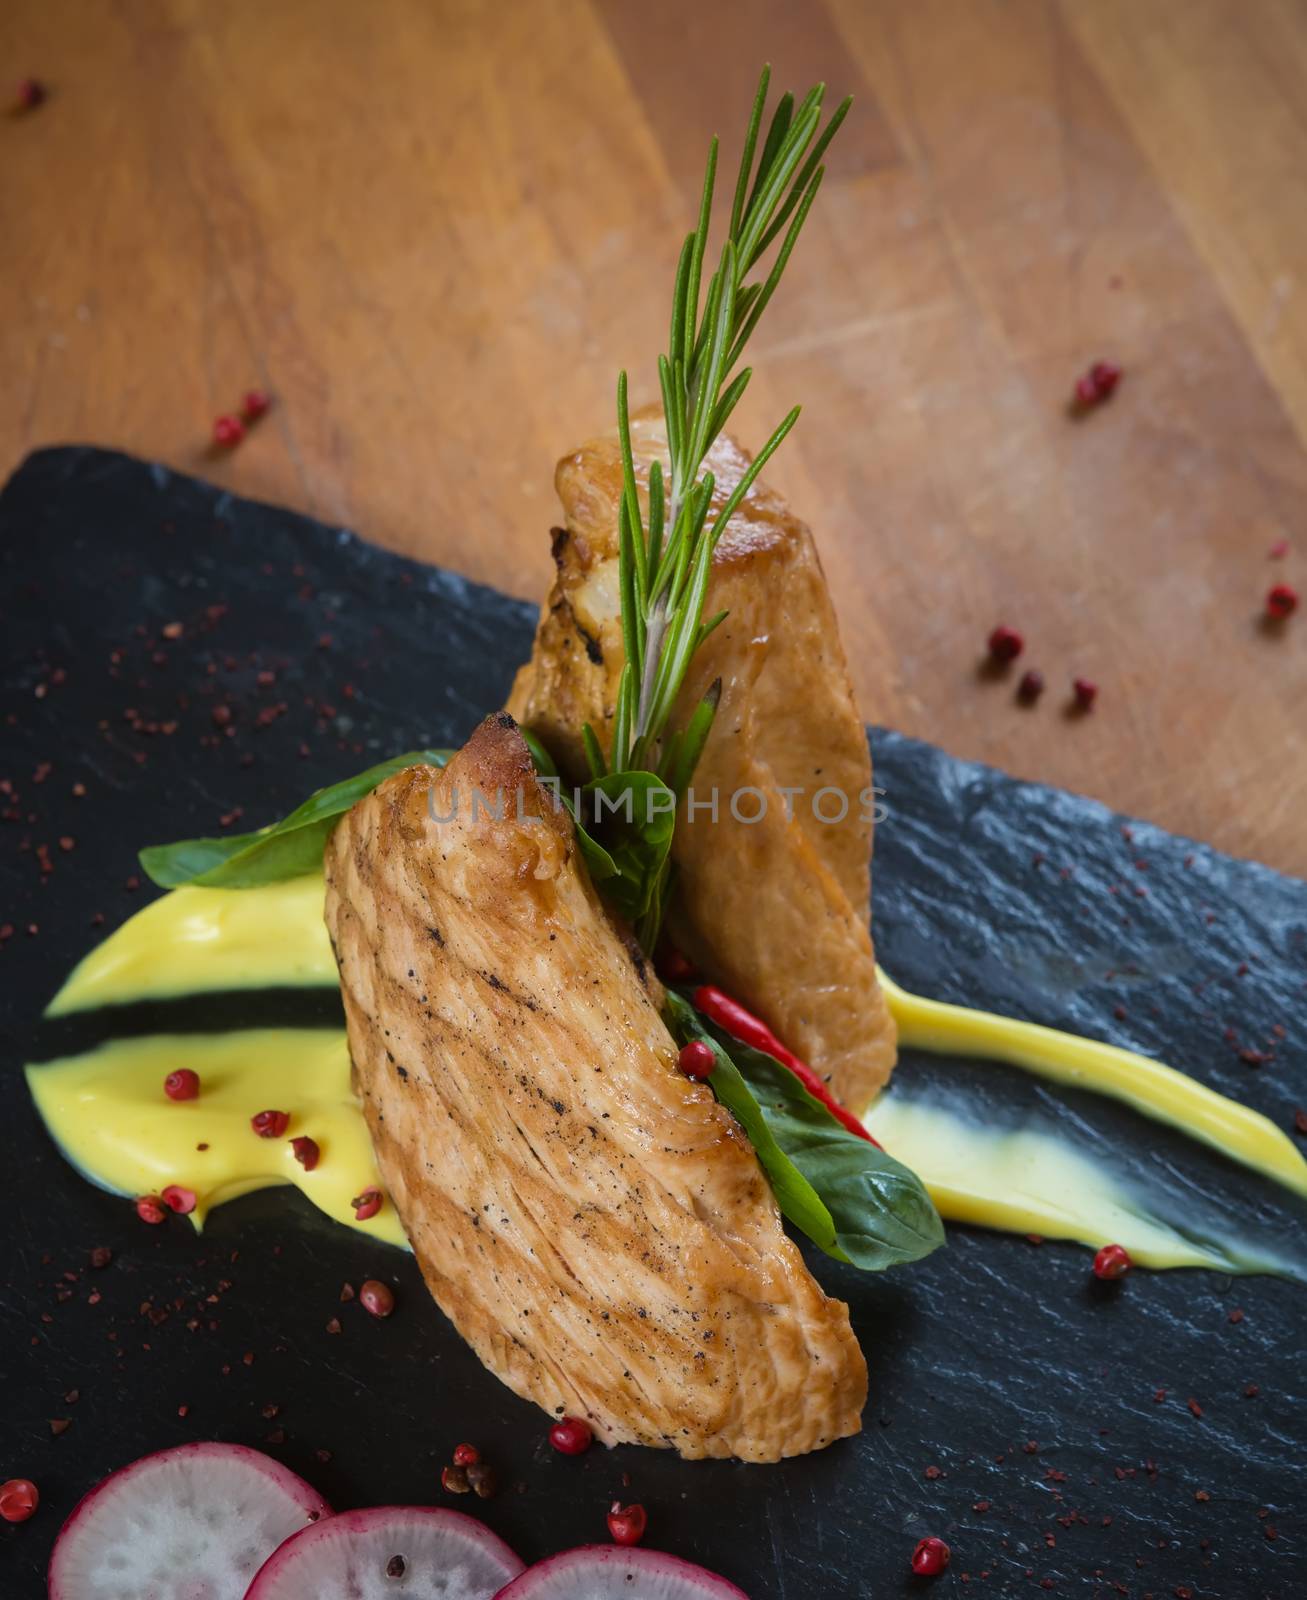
593	1222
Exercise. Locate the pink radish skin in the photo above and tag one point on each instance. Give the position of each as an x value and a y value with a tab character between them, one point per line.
431	1554
193	1523
605	1572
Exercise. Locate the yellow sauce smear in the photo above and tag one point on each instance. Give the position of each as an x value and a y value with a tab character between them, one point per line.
108	1112
198	941
1031	1181
1148	1086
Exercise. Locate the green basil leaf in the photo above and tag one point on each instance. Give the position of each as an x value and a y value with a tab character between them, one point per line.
287	849
879	1209
599	863
796	1197
626	823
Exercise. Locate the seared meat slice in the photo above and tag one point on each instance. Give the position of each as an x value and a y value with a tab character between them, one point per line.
777	910
594	1223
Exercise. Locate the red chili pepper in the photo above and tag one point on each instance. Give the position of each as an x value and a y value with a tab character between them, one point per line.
732	1017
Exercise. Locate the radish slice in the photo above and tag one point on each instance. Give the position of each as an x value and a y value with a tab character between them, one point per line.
389	1553
606	1571
194	1523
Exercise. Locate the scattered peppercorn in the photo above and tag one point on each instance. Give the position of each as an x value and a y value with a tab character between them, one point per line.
177	1199
1111	1262
466	1455
1097	385
19	1498
378	1299
270	1124
483	1480
150	1208
366	1205
571	1436
930	1557
228	431
255	405
182	1084
454	1479
1031	686
1084	692
1005	644
626	1524
31	92
1281	602
697	1060
306	1152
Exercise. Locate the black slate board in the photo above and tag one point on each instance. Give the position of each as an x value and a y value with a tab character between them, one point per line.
988	891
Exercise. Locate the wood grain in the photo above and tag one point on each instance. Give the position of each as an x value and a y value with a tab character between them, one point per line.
434	232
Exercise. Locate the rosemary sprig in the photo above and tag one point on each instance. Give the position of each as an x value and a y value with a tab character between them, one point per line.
665	561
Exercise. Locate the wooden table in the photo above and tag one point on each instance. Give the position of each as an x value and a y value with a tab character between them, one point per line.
435	231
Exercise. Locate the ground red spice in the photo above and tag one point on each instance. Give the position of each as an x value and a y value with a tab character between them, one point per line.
1194	1407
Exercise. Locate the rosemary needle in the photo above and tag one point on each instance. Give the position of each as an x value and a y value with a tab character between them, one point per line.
665	561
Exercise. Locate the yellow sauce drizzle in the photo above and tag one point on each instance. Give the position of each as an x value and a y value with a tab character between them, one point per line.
196	941
108	1113
1024	1180
1149	1086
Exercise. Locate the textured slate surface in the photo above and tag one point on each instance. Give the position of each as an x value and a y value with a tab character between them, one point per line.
1034	1391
